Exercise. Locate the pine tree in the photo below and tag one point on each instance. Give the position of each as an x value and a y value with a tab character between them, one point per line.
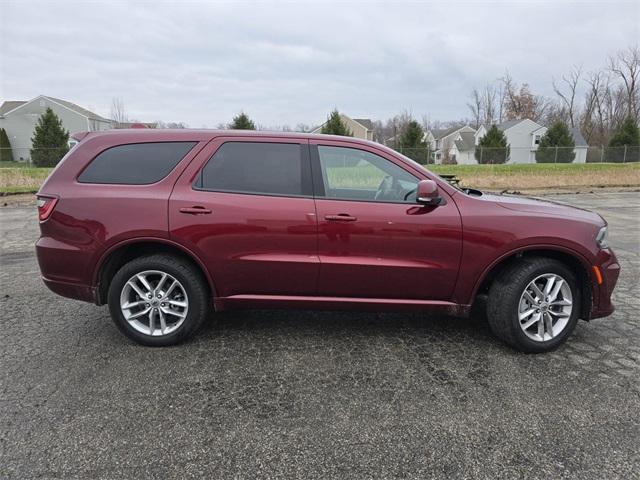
335	126
557	145
412	143
492	148
242	122
627	137
50	141
6	155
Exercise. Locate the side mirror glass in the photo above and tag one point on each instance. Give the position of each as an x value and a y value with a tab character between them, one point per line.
427	193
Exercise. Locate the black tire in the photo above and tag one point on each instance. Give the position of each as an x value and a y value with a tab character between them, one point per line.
504	296
190	278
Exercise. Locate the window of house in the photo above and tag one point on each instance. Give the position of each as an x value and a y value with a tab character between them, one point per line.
135	164
536	140
255	168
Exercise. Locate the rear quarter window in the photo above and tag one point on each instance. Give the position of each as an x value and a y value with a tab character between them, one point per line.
135	164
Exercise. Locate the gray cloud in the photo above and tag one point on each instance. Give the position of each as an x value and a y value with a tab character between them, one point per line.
286	63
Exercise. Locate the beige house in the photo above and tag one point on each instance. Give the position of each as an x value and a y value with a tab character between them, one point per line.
19	119
361	127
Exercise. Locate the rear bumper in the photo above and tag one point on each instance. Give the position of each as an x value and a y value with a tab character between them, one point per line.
63	267
71	290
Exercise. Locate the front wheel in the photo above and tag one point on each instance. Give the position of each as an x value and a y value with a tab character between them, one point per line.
534	304
158	300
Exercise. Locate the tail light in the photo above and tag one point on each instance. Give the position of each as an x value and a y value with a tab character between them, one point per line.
45	207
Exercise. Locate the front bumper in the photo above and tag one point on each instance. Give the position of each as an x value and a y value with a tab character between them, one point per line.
610	270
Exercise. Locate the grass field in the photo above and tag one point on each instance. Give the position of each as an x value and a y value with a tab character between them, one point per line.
509	177
19	178
541	176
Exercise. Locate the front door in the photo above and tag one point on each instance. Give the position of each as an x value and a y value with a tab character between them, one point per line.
374	240
245	207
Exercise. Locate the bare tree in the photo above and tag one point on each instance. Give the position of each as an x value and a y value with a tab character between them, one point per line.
568	98
483	105
118	112
489	98
626	65
592	123
475	106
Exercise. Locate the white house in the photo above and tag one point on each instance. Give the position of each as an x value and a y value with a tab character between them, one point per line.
360	127
19	119
581	146
523	138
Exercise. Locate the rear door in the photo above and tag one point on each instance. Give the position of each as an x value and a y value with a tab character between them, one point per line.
245	207
373	239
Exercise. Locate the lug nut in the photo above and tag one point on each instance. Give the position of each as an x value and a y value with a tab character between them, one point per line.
162	304
159	296
149	296
146	304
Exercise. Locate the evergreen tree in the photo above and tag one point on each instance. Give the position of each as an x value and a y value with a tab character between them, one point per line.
242	122
6	155
412	142
492	148
335	126
627	135
50	141
557	145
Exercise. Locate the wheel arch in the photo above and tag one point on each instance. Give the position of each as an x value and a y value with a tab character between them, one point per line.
121	253
576	262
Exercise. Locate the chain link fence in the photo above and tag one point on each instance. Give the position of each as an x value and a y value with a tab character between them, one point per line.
496	156
493	169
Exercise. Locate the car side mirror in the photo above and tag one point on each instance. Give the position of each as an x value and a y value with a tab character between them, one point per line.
428	194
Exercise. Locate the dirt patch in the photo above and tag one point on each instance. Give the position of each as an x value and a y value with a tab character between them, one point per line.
18	200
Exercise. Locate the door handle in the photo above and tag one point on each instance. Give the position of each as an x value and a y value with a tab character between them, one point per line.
197	210
342	217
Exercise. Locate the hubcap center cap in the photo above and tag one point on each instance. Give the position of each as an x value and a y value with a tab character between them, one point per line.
544	306
155	303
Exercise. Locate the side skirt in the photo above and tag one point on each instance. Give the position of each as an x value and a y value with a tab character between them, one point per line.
242	302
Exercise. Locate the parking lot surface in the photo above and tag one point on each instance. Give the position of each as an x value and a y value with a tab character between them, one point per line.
314	394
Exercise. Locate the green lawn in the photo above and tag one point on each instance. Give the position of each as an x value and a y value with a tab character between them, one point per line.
14	165
21	178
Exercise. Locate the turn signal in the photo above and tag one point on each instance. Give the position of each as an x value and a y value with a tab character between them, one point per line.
596	272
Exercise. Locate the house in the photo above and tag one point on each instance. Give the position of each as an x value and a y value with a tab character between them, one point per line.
523	138
581	146
456	144
360	127
19	119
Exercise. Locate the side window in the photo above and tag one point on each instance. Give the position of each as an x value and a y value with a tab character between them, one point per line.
352	174
256	167
135	164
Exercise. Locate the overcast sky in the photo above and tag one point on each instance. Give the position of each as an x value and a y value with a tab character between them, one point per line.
289	63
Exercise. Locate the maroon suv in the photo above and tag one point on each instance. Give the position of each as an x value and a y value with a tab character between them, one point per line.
165	226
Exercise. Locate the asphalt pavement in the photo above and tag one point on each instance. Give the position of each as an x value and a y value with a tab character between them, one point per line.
298	394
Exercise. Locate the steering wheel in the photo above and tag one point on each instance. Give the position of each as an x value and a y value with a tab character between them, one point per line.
410	192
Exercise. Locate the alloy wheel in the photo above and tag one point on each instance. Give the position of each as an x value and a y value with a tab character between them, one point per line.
545	307
154	303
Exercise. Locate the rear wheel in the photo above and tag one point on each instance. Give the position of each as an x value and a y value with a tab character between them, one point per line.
158	300
534	304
